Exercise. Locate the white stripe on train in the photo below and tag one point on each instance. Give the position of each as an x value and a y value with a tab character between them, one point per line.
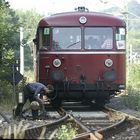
102	52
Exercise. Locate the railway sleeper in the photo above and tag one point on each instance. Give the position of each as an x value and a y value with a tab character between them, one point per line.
88	136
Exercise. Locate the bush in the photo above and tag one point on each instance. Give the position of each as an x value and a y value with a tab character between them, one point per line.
66	132
132	99
7	95
29	75
6	99
133	75
6	88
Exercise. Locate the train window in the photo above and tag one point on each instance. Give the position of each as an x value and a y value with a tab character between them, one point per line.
44	38
120	38
68	38
98	38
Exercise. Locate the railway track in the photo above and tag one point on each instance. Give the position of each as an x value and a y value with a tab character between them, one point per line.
128	128
92	123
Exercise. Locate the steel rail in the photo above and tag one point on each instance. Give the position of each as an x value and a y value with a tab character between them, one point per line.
87	134
76	120
5	118
112	126
121	121
34	132
125	114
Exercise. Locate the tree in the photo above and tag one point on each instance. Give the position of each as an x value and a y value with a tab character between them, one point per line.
8	37
28	20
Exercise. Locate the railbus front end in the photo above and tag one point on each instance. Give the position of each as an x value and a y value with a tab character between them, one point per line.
82	54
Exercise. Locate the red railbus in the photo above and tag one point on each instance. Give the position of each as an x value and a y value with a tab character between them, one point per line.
82	54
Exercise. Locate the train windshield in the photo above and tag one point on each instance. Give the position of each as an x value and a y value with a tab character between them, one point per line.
68	38
98	38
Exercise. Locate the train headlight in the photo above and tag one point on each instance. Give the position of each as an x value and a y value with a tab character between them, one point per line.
109	75
57	76
108	62
57	63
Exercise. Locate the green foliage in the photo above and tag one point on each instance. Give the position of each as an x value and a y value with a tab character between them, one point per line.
29	74
66	132
133	75
8	27
20	85
10	23
8	38
132	99
6	98
28	20
6	88
134	38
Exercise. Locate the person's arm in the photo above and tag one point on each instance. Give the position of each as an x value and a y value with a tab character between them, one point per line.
38	90
103	46
36	96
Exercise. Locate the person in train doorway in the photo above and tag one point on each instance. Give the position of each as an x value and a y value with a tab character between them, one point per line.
108	42
33	92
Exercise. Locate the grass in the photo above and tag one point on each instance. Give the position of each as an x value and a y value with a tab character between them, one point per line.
66	132
133	76
7	102
132	99
17	131
6	105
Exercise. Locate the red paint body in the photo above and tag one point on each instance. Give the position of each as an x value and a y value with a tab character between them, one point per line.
91	65
83	70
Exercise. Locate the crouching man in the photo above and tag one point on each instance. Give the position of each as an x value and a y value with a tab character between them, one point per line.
33	92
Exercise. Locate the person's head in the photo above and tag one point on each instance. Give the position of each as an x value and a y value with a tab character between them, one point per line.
90	39
49	89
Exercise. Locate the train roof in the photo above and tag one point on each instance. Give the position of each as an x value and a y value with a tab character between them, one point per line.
72	19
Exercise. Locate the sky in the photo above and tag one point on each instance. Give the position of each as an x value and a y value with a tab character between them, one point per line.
47	7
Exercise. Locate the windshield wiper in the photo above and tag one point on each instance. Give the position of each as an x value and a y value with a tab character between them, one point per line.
72	44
